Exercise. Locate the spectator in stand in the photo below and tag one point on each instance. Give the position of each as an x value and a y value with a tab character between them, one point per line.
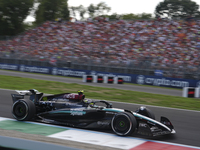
159	43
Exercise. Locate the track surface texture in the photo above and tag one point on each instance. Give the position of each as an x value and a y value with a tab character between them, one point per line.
186	122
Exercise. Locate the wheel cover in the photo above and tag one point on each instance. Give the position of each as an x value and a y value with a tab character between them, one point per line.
121	124
20	110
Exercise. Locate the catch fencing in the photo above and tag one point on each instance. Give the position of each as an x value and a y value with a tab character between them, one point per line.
141	67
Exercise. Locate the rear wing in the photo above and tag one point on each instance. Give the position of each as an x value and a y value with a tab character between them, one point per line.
34	95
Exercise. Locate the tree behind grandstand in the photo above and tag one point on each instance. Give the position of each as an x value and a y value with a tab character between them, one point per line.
49	10
12	15
92	10
177	9
102	10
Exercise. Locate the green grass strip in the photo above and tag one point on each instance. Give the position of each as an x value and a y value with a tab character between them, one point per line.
112	94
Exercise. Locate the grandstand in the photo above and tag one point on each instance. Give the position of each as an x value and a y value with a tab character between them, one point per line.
123	46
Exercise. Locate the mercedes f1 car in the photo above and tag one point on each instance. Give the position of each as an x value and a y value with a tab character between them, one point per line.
75	110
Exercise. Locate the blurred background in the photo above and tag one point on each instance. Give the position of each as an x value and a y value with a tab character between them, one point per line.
128	37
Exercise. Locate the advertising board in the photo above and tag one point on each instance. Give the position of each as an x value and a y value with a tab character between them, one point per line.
129	78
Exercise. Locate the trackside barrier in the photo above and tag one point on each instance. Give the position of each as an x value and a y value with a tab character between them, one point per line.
129	78
118	80
98	79
105	79
88	78
191	92
110	80
102	79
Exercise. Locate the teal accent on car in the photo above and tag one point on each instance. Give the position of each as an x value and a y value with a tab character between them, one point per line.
144	117
113	110
67	112
57	112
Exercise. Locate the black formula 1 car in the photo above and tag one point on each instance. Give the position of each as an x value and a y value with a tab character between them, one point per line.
75	110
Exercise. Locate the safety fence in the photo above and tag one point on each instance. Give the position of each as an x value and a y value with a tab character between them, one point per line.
127	77
142	67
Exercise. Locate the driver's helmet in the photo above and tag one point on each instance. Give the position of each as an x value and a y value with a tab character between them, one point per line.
88	102
80	92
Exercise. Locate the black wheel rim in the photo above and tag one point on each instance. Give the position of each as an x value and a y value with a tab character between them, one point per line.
121	124
20	110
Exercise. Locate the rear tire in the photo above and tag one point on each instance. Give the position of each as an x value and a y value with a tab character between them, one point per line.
123	124
23	110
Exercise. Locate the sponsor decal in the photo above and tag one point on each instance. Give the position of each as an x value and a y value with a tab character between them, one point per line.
22	68
93	73
140	79
72	104
110	113
158	72
159	82
103	123
77	113
198	84
68	72
54	71
69	96
155	129
60	99
161	133
143	125
8	67
34	69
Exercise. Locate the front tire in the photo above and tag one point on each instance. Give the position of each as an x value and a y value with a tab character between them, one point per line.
23	110
123	124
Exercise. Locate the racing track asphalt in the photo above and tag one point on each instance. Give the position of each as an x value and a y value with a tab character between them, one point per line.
186	122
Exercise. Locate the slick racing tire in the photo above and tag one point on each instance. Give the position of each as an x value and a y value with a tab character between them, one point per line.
123	124
23	110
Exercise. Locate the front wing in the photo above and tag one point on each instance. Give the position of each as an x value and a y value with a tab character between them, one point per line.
151	127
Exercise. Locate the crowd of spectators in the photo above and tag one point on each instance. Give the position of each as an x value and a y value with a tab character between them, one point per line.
159	43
